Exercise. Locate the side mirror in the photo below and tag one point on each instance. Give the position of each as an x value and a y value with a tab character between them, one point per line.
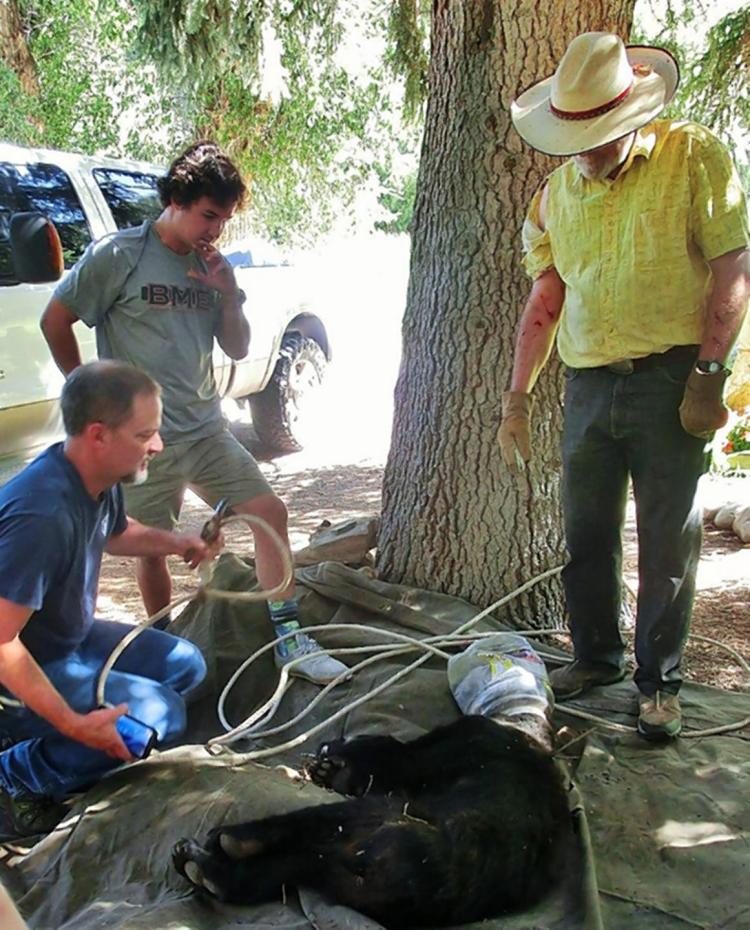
35	248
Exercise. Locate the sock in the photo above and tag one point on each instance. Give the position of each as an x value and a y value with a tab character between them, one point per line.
163	623
285	619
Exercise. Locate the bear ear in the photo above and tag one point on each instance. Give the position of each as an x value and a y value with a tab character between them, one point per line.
36	248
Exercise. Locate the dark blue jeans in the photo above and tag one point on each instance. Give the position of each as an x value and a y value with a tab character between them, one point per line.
153	677
615	427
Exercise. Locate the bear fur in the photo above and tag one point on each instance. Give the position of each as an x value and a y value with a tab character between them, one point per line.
466	822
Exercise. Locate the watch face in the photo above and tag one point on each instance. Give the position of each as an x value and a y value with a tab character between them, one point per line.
708	368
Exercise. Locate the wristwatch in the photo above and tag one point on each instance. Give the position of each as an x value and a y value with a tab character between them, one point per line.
240	296
707	367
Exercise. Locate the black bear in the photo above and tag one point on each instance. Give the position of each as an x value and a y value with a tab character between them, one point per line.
469	821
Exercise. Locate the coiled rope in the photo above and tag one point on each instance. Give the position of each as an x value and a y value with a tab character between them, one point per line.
399	644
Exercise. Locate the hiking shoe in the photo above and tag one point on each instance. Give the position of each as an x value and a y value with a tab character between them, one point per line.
576	677
320	668
28	815
659	716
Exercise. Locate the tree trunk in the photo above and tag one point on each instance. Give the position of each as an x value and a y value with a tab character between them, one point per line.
454	520
13	48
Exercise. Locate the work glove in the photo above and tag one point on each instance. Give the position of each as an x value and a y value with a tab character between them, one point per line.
702	410
513	435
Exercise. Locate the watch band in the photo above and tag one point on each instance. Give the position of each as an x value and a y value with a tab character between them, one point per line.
239	296
710	367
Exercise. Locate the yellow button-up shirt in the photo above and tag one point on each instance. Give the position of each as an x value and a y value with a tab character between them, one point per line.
634	251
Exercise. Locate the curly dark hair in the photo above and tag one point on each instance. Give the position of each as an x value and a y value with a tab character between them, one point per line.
202	170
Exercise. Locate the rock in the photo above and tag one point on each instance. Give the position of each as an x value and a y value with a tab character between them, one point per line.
741	524
725	517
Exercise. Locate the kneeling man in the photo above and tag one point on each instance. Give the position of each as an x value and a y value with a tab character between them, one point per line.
57	517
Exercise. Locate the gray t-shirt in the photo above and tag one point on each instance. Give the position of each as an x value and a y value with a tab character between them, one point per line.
148	312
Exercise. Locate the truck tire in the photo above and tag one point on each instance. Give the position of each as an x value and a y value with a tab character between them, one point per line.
279	410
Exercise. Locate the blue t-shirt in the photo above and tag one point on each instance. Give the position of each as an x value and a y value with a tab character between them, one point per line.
52	535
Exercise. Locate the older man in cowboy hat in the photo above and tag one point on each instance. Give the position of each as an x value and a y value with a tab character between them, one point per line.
638	249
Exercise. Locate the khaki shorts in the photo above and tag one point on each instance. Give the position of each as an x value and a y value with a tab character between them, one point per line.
215	467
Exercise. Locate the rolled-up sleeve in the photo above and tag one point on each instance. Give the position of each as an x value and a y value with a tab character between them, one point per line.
719	206
537	249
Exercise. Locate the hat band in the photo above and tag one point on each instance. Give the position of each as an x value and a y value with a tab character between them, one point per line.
590	114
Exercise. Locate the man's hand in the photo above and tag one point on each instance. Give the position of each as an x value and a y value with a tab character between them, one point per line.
97	730
139	540
233	334
193	549
513	435
219	274
702	410
21	675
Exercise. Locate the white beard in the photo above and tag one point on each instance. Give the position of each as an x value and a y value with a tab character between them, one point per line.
136	477
594	167
596	171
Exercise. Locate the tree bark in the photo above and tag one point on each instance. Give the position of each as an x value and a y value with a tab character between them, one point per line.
454	520
14	49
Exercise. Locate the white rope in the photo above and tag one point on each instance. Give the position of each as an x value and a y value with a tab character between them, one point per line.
127	640
247	729
624	728
310	629
430	646
239	731
205	590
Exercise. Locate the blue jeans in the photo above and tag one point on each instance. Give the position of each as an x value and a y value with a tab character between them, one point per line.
618	426
153	677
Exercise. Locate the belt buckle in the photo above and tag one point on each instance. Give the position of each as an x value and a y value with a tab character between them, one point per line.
623	367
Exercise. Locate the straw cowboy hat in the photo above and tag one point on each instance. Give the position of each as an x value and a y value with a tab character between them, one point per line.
600	92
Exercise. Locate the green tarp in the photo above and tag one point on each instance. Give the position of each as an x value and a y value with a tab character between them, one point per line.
669	824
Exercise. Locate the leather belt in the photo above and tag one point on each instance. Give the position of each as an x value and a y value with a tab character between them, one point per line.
628	366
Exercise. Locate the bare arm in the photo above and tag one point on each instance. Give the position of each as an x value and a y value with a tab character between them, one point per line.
234	330
536	333
57	326
536	330
727	304
21	675
538	323
138	539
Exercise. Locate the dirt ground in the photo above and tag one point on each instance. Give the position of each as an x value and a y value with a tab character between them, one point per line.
335	486
722	612
722	602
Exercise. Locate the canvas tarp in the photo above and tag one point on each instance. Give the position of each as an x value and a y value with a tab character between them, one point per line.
669	824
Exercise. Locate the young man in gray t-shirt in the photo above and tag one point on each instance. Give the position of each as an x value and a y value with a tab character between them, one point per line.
158	295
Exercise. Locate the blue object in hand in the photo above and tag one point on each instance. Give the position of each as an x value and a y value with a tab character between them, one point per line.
139	737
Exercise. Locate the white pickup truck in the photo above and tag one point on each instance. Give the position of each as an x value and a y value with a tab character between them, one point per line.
87	198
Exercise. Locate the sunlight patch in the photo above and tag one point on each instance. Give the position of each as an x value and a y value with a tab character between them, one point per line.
679	835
